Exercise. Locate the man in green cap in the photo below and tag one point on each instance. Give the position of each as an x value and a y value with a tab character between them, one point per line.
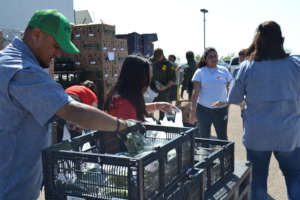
29	100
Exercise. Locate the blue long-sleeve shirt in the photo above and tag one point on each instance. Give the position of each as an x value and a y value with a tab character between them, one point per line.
271	90
29	98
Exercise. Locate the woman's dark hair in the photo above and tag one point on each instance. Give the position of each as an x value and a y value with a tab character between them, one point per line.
172	56
190	59
133	79
267	43
158	53
202	61
243	52
89	84
189	56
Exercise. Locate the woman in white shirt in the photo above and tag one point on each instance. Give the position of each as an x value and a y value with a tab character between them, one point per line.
211	84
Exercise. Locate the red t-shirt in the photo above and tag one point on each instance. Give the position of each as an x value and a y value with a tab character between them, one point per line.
122	108
85	94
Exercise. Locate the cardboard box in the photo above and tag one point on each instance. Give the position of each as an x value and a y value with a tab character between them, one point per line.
121	56
104	87
185	106
120	44
95	61
92	75
80	61
94	46
123	45
107	71
93	32
115	71
108	31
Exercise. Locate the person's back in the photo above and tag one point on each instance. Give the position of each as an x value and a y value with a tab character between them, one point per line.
272	88
269	84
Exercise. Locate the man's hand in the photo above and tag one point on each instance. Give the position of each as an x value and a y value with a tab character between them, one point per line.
165	107
134	127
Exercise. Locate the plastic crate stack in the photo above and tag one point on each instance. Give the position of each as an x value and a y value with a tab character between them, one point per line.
183	168
140	43
71	170
217	158
213	164
65	72
100	58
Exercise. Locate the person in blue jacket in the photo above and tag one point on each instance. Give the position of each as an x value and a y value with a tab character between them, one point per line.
30	100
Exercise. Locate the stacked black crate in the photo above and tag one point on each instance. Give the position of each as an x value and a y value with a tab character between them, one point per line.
148	46
73	170
141	44
65	72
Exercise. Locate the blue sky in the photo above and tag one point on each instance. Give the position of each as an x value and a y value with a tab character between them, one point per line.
230	24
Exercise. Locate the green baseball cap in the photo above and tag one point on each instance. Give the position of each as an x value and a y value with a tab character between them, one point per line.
55	24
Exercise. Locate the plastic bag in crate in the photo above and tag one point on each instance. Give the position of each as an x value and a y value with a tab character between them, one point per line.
171	166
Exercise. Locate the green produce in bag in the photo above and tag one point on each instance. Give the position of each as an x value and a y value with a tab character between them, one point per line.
134	142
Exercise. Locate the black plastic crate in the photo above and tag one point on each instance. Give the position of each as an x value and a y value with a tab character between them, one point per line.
149	38
188	187
236	186
70	170
217	157
148	50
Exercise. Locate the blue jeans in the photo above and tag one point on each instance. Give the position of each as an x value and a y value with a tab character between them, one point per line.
289	163
207	116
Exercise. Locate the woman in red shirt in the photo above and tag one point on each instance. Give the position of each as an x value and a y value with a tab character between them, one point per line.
126	99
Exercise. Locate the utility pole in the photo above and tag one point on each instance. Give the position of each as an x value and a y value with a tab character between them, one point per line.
204	12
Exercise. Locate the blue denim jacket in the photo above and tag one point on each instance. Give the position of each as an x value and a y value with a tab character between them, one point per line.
271	90
29	98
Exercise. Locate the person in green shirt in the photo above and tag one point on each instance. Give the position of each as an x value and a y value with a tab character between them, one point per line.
163	77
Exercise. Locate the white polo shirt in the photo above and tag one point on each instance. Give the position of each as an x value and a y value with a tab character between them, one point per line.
213	85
